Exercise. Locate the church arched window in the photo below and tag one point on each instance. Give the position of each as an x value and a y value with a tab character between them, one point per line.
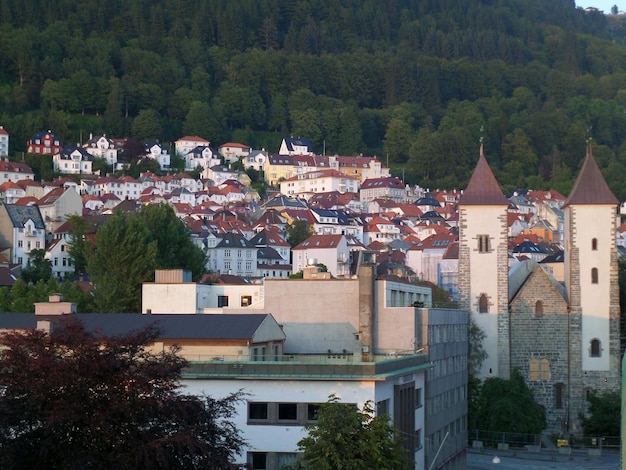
539	308
594	244
483	304
594	275
534	369
594	349
545	370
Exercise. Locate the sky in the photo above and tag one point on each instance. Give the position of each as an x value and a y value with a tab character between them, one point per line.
602	4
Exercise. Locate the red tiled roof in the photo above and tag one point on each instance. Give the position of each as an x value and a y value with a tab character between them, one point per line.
319	242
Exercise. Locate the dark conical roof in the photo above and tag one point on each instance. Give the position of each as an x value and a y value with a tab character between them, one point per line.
483	189
590	186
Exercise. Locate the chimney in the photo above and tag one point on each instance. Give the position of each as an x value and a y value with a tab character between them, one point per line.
55	306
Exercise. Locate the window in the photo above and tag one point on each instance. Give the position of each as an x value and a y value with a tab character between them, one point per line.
545	370
222	301
534	369
483	244
287	411
257	411
483	304
382	407
56	261
246	300
258	460
418	439
539	308
226	253
558	395
594	244
20	243
595	350
418	398
594	275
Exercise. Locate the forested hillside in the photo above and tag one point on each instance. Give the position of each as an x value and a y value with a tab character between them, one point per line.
416	82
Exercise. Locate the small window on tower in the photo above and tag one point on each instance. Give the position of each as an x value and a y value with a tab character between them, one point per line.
483	304
594	350
483	244
594	244
594	275
539	308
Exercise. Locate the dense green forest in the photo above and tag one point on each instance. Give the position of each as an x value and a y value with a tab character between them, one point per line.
416	82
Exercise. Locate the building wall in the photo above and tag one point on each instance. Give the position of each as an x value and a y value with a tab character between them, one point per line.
594	308
443	335
283	437
190	297
486	273
540	348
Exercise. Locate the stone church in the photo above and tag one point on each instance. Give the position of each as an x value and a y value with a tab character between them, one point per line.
563	337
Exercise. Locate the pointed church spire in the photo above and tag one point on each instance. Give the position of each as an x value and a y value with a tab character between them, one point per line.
483	189
590	186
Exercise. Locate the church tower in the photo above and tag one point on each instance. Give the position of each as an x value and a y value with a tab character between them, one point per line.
483	265
591	279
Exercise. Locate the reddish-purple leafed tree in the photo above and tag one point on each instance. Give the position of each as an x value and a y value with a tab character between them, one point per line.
75	399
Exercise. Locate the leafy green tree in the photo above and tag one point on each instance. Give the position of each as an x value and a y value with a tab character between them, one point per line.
175	248
78	245
508	405
200	120
125	257
38	267
147	125
101	167
75	398
345	438
298	231
604	416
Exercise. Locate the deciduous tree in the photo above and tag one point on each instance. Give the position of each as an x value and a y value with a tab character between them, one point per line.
298	231
74	398
604	414
344	438
124	258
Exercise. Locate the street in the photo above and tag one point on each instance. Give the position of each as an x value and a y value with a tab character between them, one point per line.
579	460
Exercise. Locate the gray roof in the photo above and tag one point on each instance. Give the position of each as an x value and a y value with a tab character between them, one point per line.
172	326
234	240
522	271
20	214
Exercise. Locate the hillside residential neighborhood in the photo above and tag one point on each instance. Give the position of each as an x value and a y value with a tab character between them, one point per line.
360	320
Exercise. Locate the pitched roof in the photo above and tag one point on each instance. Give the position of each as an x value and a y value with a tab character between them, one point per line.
483	188
20	214
590	186
319	241
172	326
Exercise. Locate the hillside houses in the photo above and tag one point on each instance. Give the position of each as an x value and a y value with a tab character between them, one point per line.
353	197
